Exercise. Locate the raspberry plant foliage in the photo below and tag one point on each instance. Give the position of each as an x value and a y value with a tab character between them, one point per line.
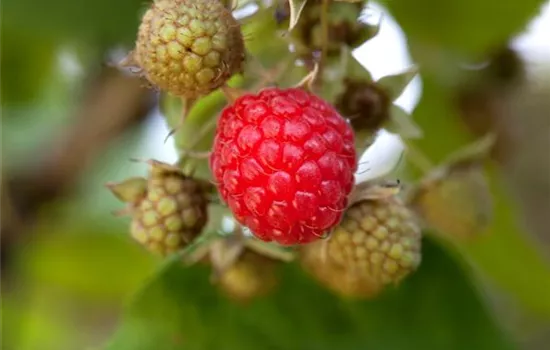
283	158
181	315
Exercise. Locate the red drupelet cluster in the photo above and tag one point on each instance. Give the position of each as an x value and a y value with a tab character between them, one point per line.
284	162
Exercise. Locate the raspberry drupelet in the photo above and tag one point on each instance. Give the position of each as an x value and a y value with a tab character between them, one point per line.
284	162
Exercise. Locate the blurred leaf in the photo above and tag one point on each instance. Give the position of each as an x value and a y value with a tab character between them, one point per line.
86	260
402	123
35	325
490	254
66	281
394	85
506	238
463	26
102	21
180	309
439	122
28	125
28	62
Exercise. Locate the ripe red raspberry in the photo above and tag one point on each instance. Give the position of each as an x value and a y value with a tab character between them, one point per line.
284	161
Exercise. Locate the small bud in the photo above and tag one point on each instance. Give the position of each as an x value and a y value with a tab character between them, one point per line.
365	104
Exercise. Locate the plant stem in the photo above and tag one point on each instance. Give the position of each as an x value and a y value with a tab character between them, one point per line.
204	130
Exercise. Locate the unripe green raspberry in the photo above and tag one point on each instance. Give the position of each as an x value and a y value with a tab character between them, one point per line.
376	244
189	47
171	211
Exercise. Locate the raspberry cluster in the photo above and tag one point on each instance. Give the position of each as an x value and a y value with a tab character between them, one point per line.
283	160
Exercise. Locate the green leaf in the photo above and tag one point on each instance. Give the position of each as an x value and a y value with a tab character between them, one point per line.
89	260
491	254
463	26
436	308
87	265
395	84
353	68
402	123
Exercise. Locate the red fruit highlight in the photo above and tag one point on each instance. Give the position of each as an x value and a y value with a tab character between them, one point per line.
284	162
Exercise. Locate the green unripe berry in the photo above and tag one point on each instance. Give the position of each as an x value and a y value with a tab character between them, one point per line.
376	244
170	211
189	47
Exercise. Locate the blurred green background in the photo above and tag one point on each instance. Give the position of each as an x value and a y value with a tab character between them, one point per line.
73	279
